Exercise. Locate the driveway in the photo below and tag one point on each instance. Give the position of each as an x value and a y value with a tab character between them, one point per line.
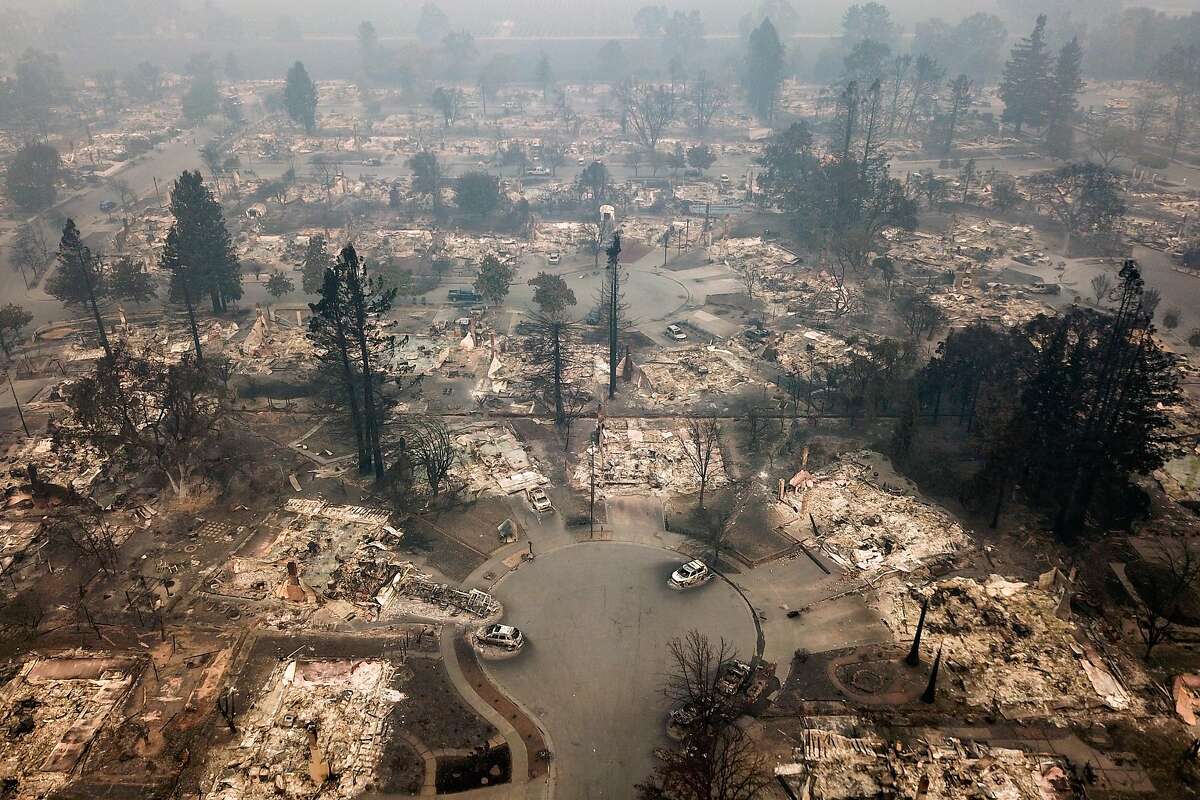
598	616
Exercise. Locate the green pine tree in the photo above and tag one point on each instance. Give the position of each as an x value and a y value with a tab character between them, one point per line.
300	97
80	280
764	69
1064	99
1026	83
199	251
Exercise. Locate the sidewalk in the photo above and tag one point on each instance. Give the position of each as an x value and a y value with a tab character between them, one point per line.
531	778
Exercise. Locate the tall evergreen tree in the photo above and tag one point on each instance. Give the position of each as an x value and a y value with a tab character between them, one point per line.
544	76
1025	87
199	251
764	69
80	279
329	329
300	97
1064	99
960	99
368	300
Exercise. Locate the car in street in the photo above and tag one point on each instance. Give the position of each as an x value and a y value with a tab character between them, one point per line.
108	206
539	500
539	172
676	333
463	296
693	573
734	677
372	162
497	635
554	258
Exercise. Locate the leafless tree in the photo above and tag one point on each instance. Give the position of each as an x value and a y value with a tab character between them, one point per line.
722	765
708	98
696	666
429	446
1163	601
919	315
124	192
1102	284
1110	142
717	531
757	424
718	761
326	176
651	110
750	275
576	401
702	446
90	537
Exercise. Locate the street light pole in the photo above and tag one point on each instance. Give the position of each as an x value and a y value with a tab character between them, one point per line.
592	467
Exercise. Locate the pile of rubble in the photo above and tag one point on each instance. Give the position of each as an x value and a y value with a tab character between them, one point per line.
865	518
315	720
51	712
412	593
1010	647
1003	307
320	553
61	460
637	459
492	460
689	374
840	761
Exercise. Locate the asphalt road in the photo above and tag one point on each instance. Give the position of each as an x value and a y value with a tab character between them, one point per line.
598	616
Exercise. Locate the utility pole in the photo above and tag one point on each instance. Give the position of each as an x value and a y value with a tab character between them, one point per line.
592	468
17	402
614	266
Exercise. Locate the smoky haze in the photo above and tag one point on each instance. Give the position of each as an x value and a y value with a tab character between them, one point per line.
269	34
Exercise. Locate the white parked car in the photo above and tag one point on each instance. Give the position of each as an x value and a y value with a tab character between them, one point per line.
554	258
692	574
505	636
676	333
539	500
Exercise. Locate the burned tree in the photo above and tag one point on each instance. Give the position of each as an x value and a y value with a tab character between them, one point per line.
718	761
368	300
696	666
1175	578
425	442
611	308
702	446
651	109
346	333
90	537
553	346
170	417
329	331
1092	398
708	98
722	765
